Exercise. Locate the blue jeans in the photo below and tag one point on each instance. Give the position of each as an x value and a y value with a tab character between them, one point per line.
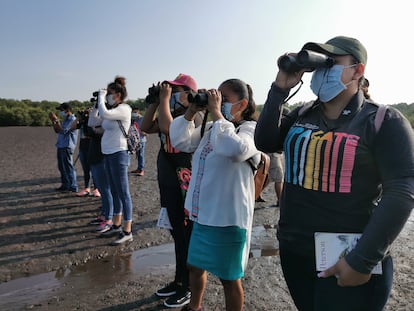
323	294
66	168
116	165
102	183
141	157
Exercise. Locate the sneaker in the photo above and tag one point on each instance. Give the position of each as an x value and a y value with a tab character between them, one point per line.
96	193
103	227
96	221
122	238
179	299
62	189
85	192
111	232
167	291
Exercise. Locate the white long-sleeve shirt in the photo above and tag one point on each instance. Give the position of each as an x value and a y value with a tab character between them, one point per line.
221	189
113	140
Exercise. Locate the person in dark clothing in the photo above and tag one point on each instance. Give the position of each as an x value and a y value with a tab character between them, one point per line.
342	176
84	143
174	171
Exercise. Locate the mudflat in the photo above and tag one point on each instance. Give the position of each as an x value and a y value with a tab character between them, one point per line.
46	234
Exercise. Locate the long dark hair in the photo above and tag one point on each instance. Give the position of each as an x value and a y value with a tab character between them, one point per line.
118	86
244	91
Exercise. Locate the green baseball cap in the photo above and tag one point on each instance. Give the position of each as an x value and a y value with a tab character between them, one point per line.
340	45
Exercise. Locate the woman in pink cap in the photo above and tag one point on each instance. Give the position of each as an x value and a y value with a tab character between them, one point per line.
174	171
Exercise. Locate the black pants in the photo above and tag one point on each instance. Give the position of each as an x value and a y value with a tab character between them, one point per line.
318	294
172	198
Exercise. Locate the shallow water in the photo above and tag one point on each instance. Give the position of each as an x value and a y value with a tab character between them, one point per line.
97	274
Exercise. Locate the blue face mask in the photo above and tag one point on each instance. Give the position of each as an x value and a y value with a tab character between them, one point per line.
62	113
175	101
327	83
226	110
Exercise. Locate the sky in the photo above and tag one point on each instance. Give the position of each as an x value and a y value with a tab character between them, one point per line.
59	50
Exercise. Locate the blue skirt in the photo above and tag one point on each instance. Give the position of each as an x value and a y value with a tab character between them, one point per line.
218	250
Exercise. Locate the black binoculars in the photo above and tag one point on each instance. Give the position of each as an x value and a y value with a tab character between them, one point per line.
200	99
305	59
153	94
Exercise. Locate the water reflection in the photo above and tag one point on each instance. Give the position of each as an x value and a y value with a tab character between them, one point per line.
99	274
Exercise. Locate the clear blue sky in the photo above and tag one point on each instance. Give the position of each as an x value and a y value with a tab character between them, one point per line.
64	50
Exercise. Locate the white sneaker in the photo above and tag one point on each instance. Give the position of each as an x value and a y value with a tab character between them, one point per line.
123	238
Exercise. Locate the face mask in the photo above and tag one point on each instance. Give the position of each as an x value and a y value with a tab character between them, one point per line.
135	115
175	101
226	110
62	113
110	100
327	83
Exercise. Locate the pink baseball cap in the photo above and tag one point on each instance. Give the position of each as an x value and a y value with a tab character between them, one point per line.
184	80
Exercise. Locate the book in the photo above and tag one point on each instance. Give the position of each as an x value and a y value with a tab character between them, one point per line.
330	247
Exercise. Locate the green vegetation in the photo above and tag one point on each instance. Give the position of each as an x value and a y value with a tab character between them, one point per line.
28	113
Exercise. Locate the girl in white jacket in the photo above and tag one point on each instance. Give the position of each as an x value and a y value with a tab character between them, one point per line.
220	197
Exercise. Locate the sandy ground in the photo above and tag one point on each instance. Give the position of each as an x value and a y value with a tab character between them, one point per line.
42	232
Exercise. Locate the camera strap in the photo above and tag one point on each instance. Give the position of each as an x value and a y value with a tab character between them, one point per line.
294	93
203	125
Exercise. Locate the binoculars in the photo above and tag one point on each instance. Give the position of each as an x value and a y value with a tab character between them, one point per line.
305	59
200	99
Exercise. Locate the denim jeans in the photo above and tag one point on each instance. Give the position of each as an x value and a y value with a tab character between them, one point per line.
311	293
116	168
66	168
102	183
141	157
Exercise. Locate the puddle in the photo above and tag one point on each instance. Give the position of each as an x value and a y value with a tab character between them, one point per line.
263	242
98	274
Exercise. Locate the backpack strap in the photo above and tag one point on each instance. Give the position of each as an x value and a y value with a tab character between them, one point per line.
122	128
379	117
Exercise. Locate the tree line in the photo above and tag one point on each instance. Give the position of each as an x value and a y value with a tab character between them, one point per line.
31	113
36	113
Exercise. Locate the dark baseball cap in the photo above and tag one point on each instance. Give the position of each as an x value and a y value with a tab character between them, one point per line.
64	106
340	45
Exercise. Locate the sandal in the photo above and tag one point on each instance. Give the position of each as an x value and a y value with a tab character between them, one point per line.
96	193
85	192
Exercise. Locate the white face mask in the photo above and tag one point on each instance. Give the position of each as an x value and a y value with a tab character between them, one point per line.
110	100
